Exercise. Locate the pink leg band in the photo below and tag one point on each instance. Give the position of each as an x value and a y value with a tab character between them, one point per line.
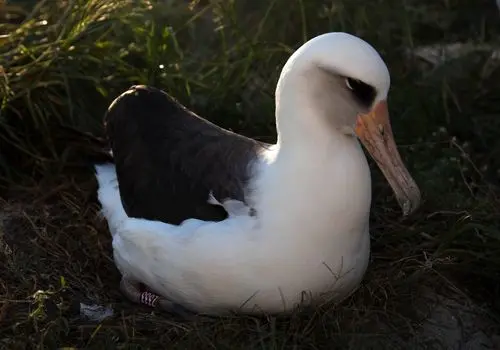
149	299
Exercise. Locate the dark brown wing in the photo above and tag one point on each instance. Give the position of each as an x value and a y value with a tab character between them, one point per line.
168	159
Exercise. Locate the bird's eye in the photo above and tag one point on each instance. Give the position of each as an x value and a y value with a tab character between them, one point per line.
364	93
352	83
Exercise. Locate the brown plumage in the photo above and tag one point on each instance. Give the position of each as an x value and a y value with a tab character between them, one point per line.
168	159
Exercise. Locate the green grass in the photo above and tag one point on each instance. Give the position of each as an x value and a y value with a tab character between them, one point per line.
63	62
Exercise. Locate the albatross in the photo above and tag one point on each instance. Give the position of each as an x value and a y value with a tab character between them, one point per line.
206	220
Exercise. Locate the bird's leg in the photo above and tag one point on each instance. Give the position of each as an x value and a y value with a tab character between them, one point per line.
133	292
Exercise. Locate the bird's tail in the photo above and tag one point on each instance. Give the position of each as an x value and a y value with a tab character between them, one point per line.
82	148
108	195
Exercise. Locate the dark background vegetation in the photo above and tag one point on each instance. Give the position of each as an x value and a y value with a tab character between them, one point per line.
63	61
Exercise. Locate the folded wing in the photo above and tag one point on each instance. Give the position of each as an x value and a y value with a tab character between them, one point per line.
169	160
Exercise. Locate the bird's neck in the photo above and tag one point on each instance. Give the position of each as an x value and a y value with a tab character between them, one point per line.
317	181
304	124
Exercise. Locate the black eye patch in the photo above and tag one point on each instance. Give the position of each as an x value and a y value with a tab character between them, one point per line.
363	93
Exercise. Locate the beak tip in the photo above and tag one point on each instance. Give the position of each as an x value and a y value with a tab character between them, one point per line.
410	203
